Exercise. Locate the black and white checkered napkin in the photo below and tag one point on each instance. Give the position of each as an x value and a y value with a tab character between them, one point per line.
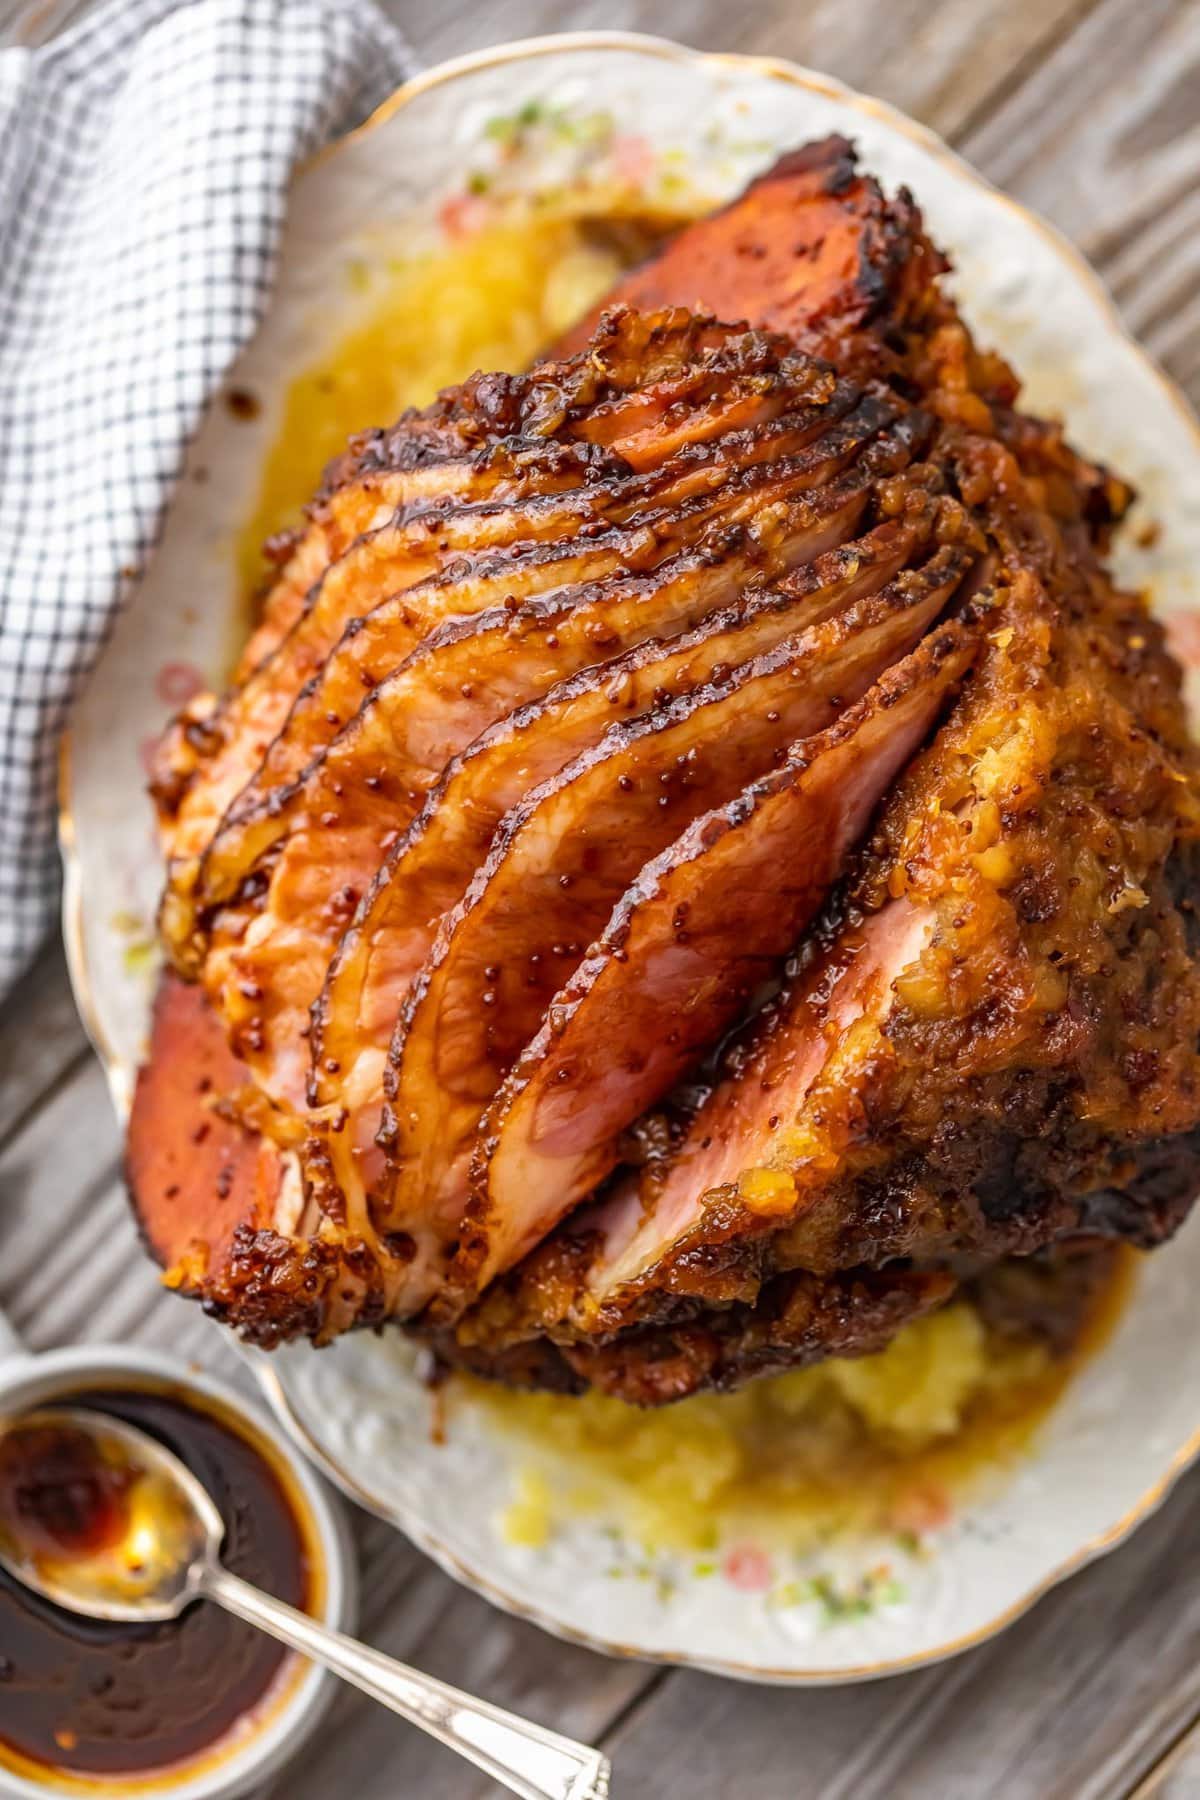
144	166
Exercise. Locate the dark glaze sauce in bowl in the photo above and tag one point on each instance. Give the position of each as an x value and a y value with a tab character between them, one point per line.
109	1701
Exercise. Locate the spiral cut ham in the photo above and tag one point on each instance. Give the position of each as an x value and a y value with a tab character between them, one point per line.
698	858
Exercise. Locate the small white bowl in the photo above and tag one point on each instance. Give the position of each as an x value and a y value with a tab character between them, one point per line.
258	1747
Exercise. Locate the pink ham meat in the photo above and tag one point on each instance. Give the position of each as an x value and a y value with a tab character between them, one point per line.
729	1181
559	864
430	867
675	951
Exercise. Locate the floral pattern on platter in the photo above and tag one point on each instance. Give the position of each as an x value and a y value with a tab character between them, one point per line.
584	163
773	1574
832	1597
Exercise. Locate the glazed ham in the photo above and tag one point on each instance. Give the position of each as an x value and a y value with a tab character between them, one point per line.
697	856
673	949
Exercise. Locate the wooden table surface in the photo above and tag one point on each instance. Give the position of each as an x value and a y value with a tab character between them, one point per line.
1088	110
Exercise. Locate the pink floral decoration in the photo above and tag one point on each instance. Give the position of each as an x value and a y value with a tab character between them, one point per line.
925	1507
462	215
747	1568
633	158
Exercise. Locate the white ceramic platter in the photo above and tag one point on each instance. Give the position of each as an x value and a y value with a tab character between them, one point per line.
638	113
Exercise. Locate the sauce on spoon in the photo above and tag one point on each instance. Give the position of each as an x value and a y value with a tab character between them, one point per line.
112	1700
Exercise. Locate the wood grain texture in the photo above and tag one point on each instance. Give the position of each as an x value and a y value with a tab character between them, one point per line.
1177	1775
1090	111
1104	139
40	1037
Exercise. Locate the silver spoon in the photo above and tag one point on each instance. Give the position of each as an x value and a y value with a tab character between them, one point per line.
155	1546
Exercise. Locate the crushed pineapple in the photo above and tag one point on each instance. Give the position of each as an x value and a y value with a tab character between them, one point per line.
767	1190
528	1518
918	1388
884	1442
997	865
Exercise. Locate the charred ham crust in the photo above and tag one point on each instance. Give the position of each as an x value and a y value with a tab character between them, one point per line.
812	248
798	1319
1049	1297
676	350
1077	492
275	1289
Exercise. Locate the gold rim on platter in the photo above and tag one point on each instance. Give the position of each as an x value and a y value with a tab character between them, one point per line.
120	1076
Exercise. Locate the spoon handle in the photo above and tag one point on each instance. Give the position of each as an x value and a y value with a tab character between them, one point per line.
531	1761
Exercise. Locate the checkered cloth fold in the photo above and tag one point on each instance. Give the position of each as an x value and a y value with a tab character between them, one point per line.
144	166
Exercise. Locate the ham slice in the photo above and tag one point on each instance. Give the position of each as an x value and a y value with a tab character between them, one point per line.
195	1173
677	964
560	863
812	249
428	871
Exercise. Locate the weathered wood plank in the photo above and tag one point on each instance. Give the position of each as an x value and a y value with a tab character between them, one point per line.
1104	139
1177	1776
40	1037
416	1613
71	1269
